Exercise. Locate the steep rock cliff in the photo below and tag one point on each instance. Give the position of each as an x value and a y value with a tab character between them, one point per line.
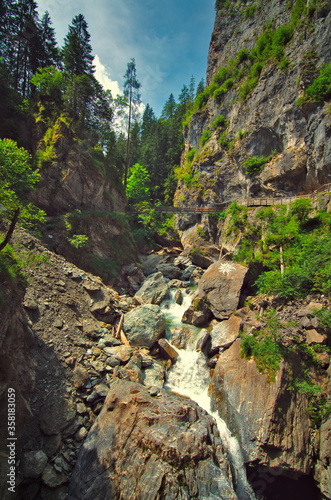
83	200
249	109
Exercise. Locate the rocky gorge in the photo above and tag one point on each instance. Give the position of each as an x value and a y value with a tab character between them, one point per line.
93	417
180	381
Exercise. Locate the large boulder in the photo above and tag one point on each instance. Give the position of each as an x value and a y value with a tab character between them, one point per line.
270	419
198	314
222	285
144	325
224	334
153	290
149	447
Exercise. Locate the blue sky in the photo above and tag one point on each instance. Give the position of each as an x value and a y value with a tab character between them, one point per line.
169	40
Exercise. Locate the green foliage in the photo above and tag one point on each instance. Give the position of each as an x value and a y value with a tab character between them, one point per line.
320	89
138	187
250	11
255	164
11	269
190	155
201	233
298	10
247	87
264	346
78	240
206	134
17	178
219	122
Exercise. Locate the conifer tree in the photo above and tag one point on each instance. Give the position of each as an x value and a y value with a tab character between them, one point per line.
77	50
131	92
50	54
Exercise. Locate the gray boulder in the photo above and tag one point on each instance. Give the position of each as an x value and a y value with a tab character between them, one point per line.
144	325
225	333
147	447
153	290
222	285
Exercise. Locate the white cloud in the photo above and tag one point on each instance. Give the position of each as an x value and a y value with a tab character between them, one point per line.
102	76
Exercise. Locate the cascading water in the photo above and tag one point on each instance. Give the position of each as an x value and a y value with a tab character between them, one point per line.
190	377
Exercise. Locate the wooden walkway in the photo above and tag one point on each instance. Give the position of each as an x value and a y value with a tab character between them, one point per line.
219	207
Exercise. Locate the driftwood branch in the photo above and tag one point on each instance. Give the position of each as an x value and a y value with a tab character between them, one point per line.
10	230
118	331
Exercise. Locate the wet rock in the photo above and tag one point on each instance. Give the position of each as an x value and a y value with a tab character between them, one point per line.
222	286
179	297
181	336
33	464
144	325
153	375
153	290
167	434
182	262
202	339
196	275
198	314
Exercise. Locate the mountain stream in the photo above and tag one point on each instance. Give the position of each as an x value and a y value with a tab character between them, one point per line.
190	377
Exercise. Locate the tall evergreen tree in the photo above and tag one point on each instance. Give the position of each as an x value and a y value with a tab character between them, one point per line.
169	107
131	92
77	50
200	87
50	54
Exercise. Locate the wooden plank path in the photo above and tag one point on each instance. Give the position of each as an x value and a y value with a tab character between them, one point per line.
219	207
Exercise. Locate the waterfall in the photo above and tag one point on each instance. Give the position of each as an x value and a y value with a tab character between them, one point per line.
190	377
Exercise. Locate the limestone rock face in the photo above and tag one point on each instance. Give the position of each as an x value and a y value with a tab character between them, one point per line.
221	285
266	121
153	290
147	447
144	325
271	421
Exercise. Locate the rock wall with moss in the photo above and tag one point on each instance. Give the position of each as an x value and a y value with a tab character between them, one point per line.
83	199
262	126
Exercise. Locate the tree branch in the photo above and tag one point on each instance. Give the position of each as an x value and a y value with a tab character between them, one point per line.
10	230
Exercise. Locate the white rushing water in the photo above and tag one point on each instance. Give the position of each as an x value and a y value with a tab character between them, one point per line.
190	377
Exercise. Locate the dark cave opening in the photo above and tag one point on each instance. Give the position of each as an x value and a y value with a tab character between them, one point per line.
271	484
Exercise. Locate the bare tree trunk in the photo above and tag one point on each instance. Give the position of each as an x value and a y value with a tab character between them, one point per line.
128	144
10	230
281	261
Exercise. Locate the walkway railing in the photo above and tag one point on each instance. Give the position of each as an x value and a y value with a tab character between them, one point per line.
219	207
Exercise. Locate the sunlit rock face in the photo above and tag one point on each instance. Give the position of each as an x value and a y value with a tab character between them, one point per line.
267	121
143	446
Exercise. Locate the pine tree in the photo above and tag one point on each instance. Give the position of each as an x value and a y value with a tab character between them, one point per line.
131	92
169	107
200	87
50	54
77	50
